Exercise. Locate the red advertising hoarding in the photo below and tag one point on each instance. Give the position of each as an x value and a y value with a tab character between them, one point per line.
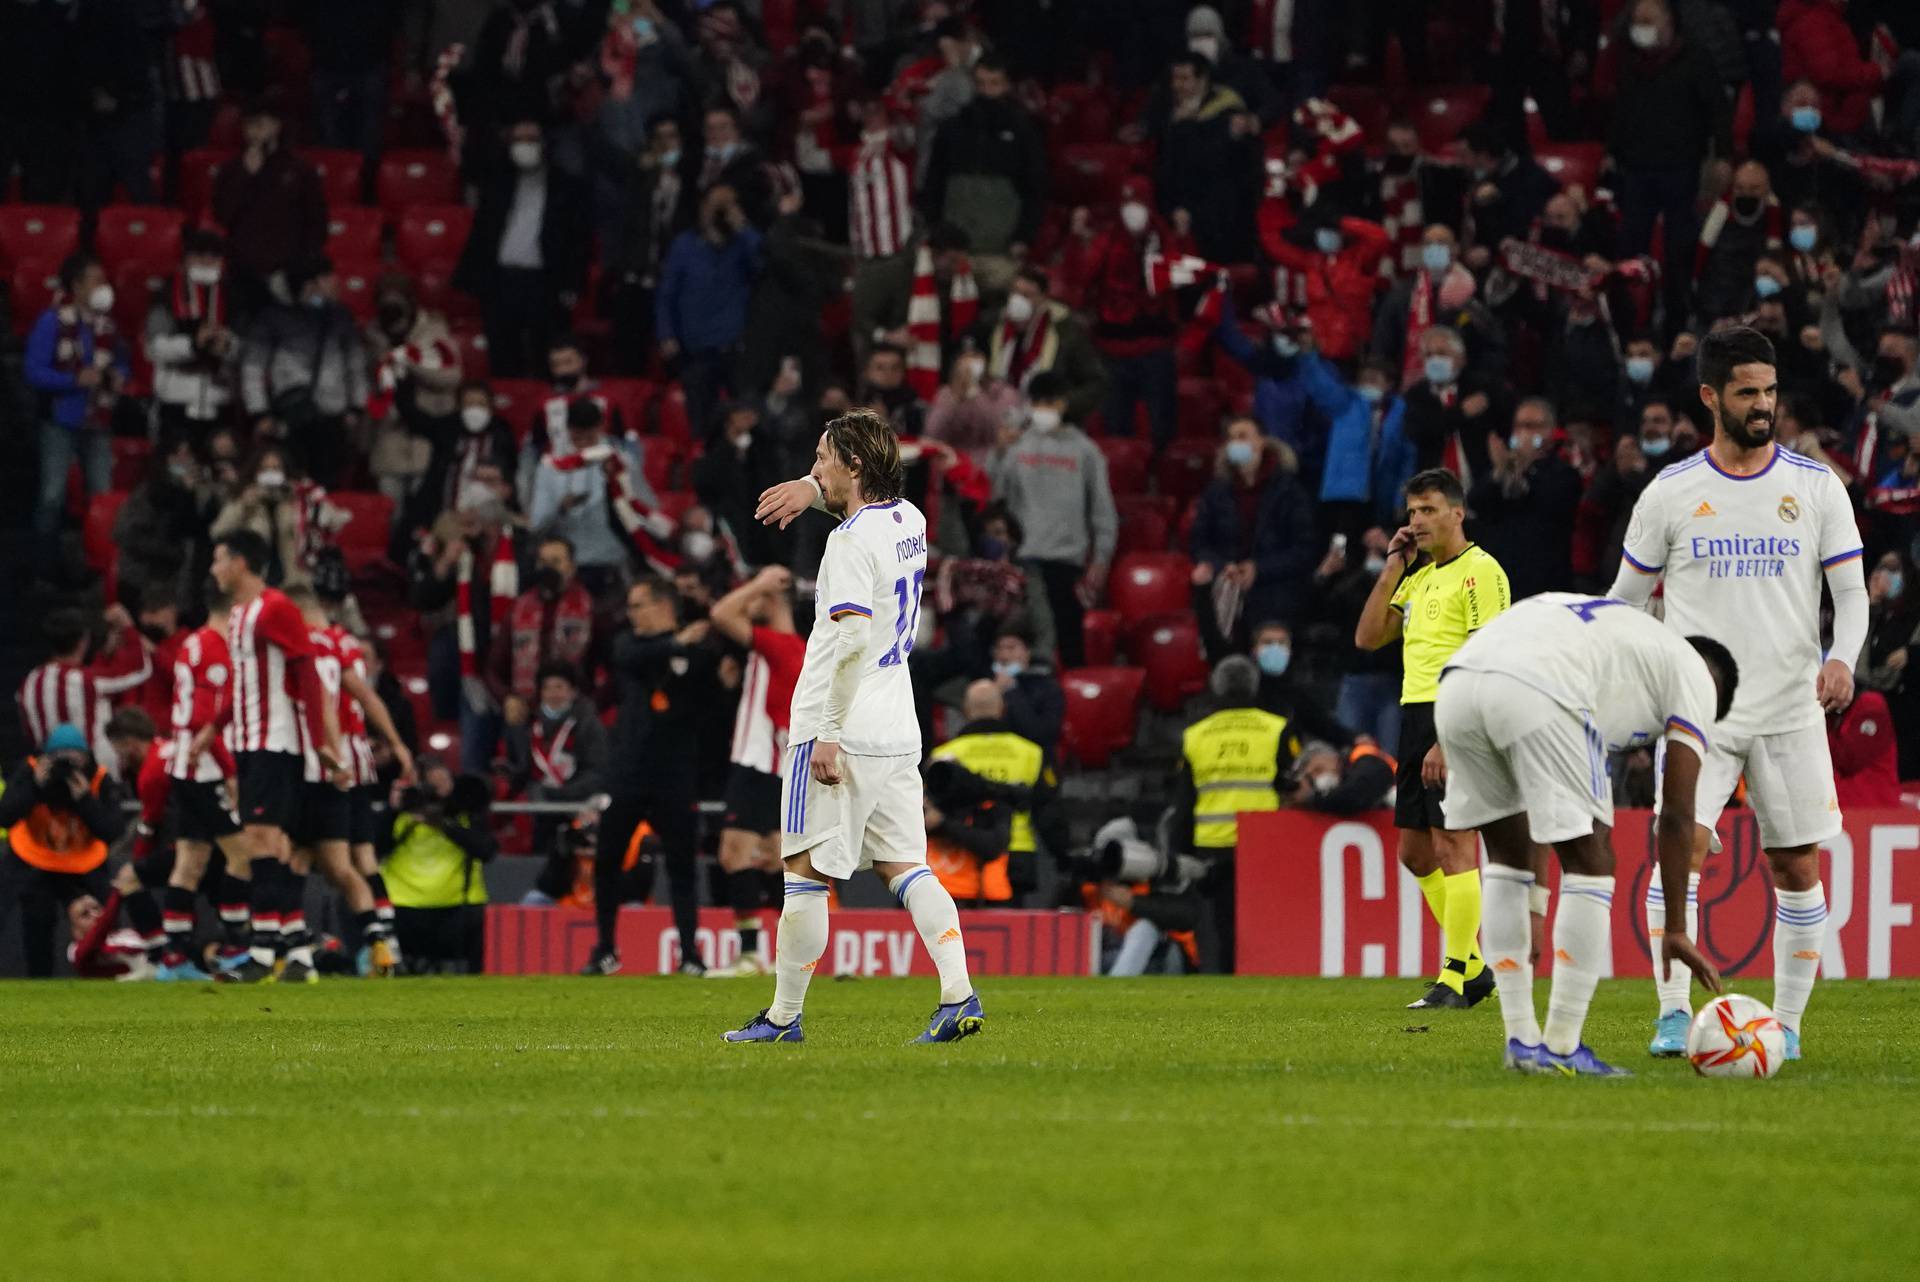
1320	895
863	941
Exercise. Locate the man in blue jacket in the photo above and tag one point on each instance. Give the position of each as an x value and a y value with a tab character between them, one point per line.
75	367
1368	455
700	311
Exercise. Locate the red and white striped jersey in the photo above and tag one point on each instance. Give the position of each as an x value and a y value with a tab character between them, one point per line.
353	719
326	666
268	642
202	684
766	700
56	694
879	202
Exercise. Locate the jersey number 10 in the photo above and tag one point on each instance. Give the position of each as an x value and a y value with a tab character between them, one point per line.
903	626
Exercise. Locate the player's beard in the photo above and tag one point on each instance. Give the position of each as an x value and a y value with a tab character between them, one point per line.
1749	433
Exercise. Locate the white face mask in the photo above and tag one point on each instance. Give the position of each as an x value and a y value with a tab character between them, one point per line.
699	544
1019	308
271	479
100	300
475	418
1044	420
526	155
743	442
203	276
1133	216
1644	35
975	367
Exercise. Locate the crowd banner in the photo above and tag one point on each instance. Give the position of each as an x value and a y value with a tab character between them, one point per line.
1322	895
863	941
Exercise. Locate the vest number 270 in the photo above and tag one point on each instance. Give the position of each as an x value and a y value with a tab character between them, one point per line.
904	626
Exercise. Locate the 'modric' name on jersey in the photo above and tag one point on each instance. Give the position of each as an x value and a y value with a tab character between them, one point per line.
1743	558
875	565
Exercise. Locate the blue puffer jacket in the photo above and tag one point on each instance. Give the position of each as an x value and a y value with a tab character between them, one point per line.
1359	469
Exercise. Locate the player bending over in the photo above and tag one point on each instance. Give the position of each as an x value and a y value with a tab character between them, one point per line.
1528	710
852	795
1743	533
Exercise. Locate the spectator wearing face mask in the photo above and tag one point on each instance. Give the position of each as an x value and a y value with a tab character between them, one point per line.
1817	45
1741	226
587	491
1440	292
1053	479
1451	413
526	258
281	505
1525	504
461	443
557	750
987	171
303	372
1036	706
1036	334
1334	782
552	622
700	311
1283	693
1208	169
1279	395
741	460
728	159
76	367
1253	530
273	207
1796	145
1207	36
162	525
1885	393
1336	261
190	339
1508	190
1133	327
1640	380
656	206
800	278
571	382
885	389
1368	454
972	407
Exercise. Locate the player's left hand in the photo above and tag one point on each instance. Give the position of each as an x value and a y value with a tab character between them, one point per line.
826	762
1676	946
405	758
1834	685
779	504
1433	768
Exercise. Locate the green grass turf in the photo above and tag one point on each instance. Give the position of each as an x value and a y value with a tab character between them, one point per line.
579	1129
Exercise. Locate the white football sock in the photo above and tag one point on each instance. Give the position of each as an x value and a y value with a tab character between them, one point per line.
1799	933
1506	940
1579	942
938	922
802	943
1676	992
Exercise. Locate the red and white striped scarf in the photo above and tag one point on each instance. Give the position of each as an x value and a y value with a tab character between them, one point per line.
1772	217
1021	348
70	353
649	531
1454	289
879	200
1166	273
923	319
503	583
401	361
195	73
199	303
1900	293
1404	219
440	98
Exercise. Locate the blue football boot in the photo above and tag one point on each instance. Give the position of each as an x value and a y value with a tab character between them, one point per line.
1670	1035
952	1022
184	973
1793	1041
762	1029
1581	1063
1520	1057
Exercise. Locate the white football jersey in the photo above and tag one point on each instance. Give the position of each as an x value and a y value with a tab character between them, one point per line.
1744	557
875	565
1634	679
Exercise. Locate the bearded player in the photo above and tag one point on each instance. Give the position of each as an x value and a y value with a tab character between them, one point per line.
1743	534
851	795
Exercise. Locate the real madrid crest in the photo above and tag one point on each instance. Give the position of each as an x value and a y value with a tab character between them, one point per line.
1789	509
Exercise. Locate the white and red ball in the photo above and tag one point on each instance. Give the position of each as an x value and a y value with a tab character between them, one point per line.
1736	1036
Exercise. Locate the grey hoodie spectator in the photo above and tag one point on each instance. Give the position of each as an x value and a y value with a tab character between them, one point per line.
304	371
1053	479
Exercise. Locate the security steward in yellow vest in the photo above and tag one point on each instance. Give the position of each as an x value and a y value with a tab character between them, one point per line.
435	872
981	843
60	812
1234	762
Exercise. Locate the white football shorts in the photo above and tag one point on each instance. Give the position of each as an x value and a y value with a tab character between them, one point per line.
875	814
1510	749
1789	784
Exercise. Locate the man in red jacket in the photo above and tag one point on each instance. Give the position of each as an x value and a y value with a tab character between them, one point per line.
1816	44
1133	326
1865	773
1332	267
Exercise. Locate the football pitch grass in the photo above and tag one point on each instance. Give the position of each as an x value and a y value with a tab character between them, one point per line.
597	1129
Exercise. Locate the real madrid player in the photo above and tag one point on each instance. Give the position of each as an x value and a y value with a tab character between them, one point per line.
1528	711
851	795
1743	533
1434	609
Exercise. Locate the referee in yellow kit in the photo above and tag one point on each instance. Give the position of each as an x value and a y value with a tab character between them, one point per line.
1434	609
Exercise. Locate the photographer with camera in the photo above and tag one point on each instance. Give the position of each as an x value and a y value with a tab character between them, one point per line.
1337	783
1232	763
441	837
984	787
61	811
1145	896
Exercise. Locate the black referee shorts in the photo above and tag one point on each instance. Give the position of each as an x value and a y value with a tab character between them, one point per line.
1416	806
200	811
270	784
752	800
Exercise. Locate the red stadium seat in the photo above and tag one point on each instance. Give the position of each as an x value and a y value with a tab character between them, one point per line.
474	362
150	233
339	171
631	397
130	457
518	400
38	233
1168	648
664	460
1090	173
136	284
1102	704
1573	164
1441	113
1368	105
673	413
96	530
1144	523
1127	460
358	281
30	290
363	539
674	504
1186	468
1100	637
353	232
1143	584
431	234
417	176
199	169
433	287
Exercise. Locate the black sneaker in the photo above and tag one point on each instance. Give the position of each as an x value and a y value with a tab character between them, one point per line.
1480	987
250	971
604	961
1440	997
298	973
696	969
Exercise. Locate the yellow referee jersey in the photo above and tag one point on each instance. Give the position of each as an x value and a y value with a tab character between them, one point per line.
1441	604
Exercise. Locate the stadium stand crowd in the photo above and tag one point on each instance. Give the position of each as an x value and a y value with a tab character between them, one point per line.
475	310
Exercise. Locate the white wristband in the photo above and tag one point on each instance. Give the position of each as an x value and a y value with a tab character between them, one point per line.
818	493
1538	899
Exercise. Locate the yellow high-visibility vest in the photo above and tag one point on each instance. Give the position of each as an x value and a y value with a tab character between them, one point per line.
1233	756
1003	757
